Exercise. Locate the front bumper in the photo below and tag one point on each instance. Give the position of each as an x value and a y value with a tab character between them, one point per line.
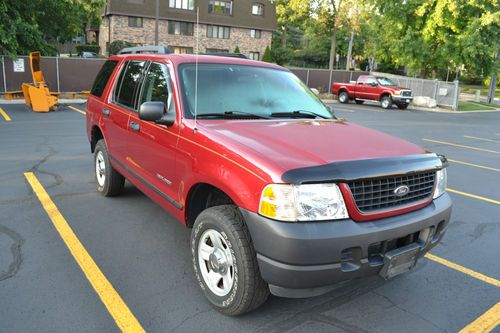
307	258
402	99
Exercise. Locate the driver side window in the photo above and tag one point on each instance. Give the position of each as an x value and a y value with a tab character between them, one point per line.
156	87
371	81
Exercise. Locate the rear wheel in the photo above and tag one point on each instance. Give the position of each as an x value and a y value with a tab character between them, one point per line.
359	101
225	262
109	181
403	106
386	102
344	97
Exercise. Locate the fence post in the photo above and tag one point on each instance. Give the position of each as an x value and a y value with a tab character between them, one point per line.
330	82
436	87
350	76
456	95
4	77
57	74
307	79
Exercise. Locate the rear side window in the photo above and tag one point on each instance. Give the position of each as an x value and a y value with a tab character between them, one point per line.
128	83
102	77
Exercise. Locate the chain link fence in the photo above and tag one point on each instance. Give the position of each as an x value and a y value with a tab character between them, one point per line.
445	93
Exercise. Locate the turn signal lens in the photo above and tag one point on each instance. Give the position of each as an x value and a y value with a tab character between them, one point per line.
278	202
441	182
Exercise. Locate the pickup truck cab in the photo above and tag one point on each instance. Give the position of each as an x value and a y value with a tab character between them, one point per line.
373	88
281	196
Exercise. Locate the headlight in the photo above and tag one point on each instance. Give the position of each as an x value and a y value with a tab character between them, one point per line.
441	181
397	92
310	202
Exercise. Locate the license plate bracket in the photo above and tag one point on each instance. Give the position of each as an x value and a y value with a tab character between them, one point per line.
400	260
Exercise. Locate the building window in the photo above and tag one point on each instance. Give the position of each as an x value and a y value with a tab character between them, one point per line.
220	7
255	55
135	22
181	4
216	31
217	51
180	28
181	50
258	9
254	33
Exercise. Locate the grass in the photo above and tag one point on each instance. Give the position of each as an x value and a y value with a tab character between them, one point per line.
471	89
475	106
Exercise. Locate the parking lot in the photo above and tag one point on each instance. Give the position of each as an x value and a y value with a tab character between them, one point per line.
61	242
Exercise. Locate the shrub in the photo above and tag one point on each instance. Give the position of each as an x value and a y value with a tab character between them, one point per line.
87	48
237	50
117	45
267	57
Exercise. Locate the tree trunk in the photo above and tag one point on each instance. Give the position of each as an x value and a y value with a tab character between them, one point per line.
349	52
283	37
333	48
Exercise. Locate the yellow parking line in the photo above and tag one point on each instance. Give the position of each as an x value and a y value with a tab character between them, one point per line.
486	322
474	165
5	115
482	139
473	196
462	146
122	315
77	110
464	270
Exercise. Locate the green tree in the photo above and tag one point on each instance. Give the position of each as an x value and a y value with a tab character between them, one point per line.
32	25
237	50
267	57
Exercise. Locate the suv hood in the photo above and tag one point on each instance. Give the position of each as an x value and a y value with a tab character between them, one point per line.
281	145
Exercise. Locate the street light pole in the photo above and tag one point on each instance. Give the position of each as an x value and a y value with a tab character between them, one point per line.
157	19
493	83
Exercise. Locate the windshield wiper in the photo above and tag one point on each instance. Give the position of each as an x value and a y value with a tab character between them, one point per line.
298	114
231	115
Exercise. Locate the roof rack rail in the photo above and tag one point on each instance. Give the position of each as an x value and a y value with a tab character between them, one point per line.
146	49
225	54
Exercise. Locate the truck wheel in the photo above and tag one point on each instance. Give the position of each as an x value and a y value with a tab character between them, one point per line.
403	106
344	97
225	263
386	102
359	101
109	181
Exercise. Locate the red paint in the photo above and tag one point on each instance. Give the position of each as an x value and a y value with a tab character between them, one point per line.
240	157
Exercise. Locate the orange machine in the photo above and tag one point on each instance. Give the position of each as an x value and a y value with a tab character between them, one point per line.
37	95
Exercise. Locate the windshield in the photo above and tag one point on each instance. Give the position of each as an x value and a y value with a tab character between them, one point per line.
241	90
385	81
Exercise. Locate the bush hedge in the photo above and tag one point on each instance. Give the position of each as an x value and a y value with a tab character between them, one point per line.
87	48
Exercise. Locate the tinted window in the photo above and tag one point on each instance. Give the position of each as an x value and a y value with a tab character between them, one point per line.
102	77
155	88
129	81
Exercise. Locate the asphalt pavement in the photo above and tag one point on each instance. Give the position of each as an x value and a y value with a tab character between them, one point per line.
144	253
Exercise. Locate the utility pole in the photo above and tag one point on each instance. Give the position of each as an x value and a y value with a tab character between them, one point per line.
351	42
493	83
157	19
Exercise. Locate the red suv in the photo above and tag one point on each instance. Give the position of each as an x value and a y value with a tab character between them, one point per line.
281	195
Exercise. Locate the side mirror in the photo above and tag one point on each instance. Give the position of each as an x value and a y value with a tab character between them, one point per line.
315	91
156	112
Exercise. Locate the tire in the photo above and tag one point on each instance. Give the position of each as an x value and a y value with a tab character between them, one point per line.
109	181
344	97
358	101
403	106
236	286
386	102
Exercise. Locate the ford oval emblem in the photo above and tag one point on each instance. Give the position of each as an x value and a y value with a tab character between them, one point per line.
401	191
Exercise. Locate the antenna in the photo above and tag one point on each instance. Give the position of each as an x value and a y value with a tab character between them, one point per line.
195	129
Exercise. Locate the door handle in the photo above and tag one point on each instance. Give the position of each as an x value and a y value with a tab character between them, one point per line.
106	112
134	126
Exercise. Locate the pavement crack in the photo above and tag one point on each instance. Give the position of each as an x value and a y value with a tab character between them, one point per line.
36	167
15	250
393	304
189	318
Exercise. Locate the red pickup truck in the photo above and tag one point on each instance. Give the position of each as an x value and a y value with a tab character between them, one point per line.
282	196
373	88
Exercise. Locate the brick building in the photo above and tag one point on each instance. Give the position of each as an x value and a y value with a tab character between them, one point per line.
224	25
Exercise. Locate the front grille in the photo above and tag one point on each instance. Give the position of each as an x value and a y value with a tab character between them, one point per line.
378	194
406	93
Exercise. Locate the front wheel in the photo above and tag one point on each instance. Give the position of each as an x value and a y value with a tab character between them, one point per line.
386	102
403	106
225	262
344	97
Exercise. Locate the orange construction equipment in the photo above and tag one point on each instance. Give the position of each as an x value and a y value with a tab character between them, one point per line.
37	95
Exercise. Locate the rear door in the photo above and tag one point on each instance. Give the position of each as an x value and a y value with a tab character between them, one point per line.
360	88
121	106
152	147
371	90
